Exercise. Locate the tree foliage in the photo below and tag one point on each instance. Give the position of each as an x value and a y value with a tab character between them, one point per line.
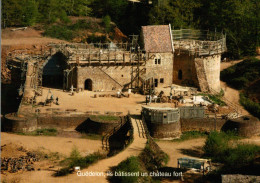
238	19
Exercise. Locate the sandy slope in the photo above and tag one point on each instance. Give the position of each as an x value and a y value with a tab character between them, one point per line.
52	144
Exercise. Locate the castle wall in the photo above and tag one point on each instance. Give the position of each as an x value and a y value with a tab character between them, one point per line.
116	77
184	63
160	71
202	124
212	69
171	130
81	123
104	77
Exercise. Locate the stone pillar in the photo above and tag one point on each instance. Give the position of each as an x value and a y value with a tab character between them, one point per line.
28	85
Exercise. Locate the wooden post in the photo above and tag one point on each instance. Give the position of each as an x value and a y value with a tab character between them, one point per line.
108	56
99	55
124	58
115	57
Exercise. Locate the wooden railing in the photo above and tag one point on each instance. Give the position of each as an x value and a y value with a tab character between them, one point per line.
105	138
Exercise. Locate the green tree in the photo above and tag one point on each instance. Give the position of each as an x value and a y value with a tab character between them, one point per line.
19	13
180	13
239	19
107	23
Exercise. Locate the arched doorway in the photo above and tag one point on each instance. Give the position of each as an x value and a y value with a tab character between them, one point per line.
52	75
180	74
88	84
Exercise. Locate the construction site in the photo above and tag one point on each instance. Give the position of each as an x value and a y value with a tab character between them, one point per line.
158	85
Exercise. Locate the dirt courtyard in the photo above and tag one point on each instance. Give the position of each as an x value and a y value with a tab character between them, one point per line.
85	101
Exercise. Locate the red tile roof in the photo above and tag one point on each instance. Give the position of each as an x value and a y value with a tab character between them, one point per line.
157	38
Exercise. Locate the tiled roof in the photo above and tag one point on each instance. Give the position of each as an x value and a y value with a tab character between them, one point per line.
157	38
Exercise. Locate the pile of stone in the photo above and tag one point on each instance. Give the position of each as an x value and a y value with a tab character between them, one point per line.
233	115
237	178
22	163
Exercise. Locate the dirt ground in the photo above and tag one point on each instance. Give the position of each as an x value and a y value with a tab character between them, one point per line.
175	150
85	101
12	143
49	144
30	36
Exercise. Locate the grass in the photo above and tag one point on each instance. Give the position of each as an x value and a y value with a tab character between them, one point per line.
70	31
131	164
250	106
215	98
75	159
152	158
91	136
220	147
105	118
190	135
41	132
240	75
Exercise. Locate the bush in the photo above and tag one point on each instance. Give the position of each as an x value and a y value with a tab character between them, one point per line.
239	82
152	159
76	159
107	23
60	32
252	107
96	39
242	74
80	24
216	99
240	155
131	164
218	146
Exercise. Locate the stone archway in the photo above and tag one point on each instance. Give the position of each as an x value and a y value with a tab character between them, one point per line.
88	84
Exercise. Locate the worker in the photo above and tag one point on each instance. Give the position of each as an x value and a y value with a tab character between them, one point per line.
57	101
72	89
51	98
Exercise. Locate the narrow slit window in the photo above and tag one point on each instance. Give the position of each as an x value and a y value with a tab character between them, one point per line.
162	80
155	82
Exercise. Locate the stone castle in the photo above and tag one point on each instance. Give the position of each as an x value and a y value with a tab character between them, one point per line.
161	57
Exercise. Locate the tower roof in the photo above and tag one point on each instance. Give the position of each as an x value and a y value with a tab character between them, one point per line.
157	38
